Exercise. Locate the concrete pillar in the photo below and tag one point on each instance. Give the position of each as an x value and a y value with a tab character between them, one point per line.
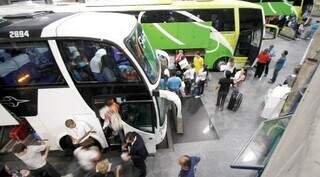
297	154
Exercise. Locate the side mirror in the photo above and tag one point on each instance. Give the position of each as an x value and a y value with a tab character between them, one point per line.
271	31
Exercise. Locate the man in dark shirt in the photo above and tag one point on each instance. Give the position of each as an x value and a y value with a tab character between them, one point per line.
188	165
137	151
223	89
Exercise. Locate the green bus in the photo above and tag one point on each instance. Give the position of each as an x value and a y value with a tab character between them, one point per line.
284	7
219	29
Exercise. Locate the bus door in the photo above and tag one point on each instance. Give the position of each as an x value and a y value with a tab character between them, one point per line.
250	37
140	116
117	78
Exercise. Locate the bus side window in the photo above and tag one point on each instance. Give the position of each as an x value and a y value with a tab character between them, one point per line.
90	61
221	19
164	16
28	64
153	17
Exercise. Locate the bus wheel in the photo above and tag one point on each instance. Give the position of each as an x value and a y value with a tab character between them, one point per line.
221	61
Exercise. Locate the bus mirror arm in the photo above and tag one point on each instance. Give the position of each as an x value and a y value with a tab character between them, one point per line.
173	97
155	93
274	30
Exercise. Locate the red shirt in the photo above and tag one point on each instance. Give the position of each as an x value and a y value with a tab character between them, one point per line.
263	58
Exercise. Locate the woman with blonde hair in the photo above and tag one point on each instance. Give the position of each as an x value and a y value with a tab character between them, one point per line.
103	169
112	123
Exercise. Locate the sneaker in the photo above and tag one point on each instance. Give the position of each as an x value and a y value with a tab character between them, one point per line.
197	96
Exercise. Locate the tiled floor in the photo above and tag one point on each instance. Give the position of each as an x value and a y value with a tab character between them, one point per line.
234	128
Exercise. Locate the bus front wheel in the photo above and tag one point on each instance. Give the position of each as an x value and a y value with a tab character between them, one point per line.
220	62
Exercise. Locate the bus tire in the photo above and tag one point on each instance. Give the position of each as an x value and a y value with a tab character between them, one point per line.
221	61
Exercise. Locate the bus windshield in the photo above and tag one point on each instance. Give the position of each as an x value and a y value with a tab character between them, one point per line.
140	47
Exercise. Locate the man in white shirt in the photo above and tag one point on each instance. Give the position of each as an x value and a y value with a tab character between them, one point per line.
112	123
79	131
189	78
96	64
87	155
35	161
201	81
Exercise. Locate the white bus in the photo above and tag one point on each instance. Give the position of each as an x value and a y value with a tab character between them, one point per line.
46	78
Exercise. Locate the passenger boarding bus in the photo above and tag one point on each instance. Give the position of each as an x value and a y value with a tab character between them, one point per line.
46	76
276	8
220	29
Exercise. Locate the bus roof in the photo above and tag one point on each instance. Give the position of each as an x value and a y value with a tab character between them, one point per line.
128	2
110	26
175	5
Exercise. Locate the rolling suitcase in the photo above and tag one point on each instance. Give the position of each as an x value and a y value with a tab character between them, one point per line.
235	100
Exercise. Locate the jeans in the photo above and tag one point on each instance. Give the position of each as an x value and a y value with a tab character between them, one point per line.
98	76
188	83
221	98
201	87
266	69
46	171
275	75
142	168
259	70
309	34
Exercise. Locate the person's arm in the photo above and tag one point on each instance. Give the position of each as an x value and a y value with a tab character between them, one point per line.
96	155
39	148
85	135
196	159
186	72
46	152
118	170
219	85
135	155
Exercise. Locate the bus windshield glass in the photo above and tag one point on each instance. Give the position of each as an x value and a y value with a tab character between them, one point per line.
139	45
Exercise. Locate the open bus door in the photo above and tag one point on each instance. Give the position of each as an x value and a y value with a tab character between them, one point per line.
140	116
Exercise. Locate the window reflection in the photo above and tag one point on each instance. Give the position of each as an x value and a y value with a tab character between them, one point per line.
28	64
90	61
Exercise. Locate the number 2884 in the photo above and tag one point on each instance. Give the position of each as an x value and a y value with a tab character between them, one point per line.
18	34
